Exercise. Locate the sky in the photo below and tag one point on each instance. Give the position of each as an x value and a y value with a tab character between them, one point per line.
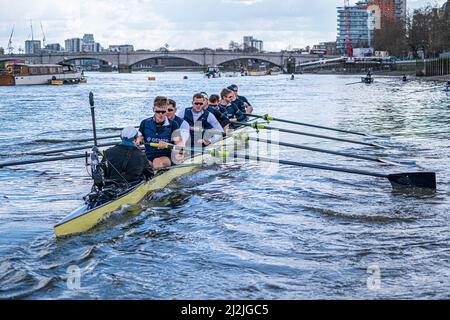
182	24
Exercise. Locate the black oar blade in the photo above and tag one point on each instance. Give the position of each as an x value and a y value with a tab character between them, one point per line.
420	180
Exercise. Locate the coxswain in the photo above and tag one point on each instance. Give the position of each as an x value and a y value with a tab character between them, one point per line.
233	113
171	115
126	163
218	111
200	121
159	129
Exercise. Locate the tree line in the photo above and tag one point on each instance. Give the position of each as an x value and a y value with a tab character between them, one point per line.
426	32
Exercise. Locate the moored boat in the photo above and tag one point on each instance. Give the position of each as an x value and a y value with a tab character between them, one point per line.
22	74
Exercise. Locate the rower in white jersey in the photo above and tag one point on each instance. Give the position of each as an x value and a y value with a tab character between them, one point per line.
201	120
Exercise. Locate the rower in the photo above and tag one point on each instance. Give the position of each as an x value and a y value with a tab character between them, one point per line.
404	79
171	115
233	113
243	104
199	118
126	163
218	111
292	77
159	129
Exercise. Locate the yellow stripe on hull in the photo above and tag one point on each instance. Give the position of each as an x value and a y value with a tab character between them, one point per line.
83	220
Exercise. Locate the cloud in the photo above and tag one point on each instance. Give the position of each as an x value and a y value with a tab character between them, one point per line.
183	24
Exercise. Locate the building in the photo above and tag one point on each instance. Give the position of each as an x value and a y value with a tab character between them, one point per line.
250	42
91	47
125	48
88	38
53	47
390	8
32	47
358	27
74	45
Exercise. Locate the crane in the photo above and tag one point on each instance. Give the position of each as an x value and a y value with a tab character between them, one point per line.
10	47
347	23
43	35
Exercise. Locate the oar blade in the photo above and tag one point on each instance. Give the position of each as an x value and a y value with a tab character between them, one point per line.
412	180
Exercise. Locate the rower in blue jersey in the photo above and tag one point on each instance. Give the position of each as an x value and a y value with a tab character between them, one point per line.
226	102
218	111
184	126
159	129
201	121
246	104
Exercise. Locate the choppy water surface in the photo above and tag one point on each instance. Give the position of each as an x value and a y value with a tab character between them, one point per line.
240	231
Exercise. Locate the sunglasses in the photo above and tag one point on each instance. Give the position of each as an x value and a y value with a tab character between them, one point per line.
160	111
170	110
198	103
230	97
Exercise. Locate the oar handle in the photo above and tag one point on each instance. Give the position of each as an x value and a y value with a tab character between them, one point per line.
91	103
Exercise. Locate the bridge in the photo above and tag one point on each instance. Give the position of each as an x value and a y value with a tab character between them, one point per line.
125	61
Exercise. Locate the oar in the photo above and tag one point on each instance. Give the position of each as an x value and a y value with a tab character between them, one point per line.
24	162
399	181
246	137
349	84
78	140
260	126
37	153
270	118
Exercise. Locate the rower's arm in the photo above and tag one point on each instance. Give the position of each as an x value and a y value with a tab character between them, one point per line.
185	132
212	120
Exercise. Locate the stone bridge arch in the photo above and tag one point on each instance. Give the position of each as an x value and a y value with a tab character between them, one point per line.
138	59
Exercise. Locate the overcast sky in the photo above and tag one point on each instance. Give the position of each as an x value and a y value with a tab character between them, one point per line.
183	24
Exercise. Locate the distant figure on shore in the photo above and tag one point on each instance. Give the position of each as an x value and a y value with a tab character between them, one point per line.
292	77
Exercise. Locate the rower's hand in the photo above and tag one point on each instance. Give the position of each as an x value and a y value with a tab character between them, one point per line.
233	119
179	156
249	109
204	142
162	145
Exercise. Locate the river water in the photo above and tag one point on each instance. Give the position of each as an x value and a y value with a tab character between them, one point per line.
236	231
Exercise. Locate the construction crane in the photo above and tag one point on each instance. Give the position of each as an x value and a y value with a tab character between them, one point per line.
43	35
10	47
32	33
348	34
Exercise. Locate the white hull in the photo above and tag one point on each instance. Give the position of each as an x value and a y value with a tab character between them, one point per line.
45	79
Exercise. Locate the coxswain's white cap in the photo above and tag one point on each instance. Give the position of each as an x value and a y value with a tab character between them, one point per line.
129	133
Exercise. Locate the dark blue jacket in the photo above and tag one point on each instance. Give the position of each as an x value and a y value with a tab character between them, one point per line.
221	114
154	133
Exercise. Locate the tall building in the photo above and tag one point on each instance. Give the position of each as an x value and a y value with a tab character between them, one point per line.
88	38
358	23
390	8
250	42
32	46
73	45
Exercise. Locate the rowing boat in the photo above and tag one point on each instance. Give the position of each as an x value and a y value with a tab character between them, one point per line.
89	215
